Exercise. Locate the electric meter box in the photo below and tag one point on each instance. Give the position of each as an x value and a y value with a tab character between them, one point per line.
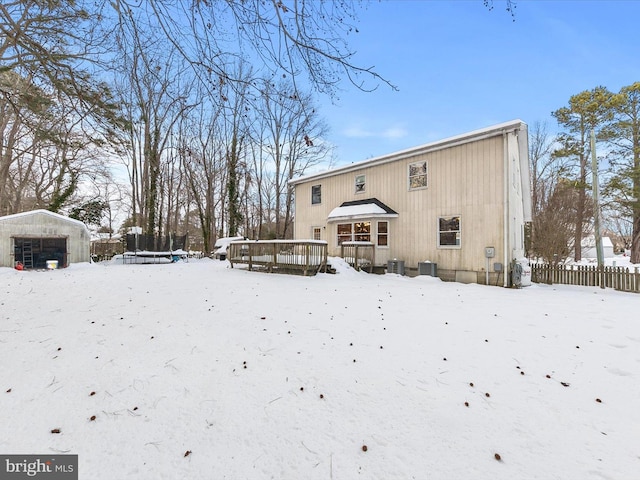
489	252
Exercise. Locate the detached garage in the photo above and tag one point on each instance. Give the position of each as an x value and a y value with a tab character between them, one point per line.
40	238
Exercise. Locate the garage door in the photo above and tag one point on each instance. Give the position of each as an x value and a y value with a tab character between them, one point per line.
34	252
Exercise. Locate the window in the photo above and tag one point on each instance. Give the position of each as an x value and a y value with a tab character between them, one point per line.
344	232
317	232
360	183
358	231
449	231
316	194
383	234
417	175
362	231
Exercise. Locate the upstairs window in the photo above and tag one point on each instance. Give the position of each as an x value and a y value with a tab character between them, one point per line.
417	175
316	194
449	231
360	183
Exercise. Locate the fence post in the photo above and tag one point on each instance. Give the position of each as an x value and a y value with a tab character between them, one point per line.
306	259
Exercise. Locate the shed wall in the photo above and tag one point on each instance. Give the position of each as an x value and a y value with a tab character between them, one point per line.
43	225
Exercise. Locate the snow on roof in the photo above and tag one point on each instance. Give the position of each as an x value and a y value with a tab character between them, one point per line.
223	241
365	209
345	212
44	212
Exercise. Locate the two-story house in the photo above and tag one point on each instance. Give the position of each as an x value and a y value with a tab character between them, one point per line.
461	203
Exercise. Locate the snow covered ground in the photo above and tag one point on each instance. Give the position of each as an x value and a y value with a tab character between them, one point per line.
194	370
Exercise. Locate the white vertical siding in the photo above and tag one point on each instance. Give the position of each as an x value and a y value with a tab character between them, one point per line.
466	179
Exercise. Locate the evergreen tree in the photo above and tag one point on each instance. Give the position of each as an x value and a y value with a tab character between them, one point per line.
587	111
623	134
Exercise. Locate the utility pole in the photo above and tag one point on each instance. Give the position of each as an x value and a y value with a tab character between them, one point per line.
596	208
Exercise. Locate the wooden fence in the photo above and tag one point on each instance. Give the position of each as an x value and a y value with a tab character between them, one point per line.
307	257
620	278
360	255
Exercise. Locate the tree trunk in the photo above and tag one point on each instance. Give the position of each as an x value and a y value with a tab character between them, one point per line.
233	189
635	235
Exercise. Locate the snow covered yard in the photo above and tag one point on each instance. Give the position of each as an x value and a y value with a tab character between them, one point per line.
194	370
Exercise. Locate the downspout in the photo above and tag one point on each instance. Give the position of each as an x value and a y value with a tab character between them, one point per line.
505	232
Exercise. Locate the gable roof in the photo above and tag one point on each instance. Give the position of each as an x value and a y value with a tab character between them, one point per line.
492	131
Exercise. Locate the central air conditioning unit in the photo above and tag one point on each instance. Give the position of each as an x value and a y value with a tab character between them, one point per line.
395	266
428	268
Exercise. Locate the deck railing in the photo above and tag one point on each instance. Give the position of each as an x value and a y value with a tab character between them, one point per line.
360	255
302	256
620	278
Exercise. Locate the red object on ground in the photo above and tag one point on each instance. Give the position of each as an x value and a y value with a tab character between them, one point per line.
19	266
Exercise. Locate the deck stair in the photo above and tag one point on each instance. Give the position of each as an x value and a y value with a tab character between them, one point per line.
329	269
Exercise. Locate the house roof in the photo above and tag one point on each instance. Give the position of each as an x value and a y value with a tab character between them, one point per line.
360	209
475	135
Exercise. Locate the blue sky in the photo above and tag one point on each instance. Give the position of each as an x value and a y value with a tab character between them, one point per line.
460	67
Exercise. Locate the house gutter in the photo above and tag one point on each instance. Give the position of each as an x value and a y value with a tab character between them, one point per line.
505	265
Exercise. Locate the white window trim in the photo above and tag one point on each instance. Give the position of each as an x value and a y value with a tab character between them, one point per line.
344	235
353	230
313	229
409	187
364	184
386	247
448	247
320	202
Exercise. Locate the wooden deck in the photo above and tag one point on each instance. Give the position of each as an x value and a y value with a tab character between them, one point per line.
307	257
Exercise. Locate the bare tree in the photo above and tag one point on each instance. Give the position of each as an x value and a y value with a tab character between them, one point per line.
59	46
291	39
293	139
554	223
544	167
154	90
203	164
15	136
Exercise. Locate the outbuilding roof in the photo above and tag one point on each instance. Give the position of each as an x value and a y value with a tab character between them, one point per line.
44	212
